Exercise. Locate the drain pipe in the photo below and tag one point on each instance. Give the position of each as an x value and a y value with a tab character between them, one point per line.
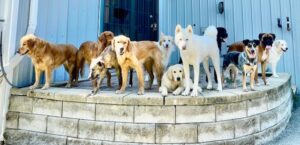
14	61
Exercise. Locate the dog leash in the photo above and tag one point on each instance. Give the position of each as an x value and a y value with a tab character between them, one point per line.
4	74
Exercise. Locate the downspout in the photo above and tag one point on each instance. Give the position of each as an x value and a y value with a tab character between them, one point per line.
15	60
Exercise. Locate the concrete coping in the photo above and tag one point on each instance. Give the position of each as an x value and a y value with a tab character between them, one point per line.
150	98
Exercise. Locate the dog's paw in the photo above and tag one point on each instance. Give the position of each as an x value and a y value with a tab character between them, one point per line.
275	76
68	85
245	90
164	94
252	89
119	92
186	92
33	87
140	92
209	86
45	87
194	93
220	88
200	89
176	92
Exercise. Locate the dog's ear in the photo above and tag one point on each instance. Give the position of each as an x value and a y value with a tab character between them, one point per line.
190	29
246	42
170	74
256	42
113	44
261	35
161	34
31	42
274	36
178	29
128	47
160	42
276	43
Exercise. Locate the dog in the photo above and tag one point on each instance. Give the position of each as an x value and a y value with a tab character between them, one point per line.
279	47
166	45
266	42
173	81
47	56
135	55
89	50
196	49
245	61
221	38
100	68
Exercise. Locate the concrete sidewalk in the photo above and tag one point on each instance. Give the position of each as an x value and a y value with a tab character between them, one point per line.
290	136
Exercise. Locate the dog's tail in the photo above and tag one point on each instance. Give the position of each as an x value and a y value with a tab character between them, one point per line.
80	63
211	31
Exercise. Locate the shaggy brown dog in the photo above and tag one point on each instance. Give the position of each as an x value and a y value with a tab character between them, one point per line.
99	68
46	57
89	50
266	41
135	55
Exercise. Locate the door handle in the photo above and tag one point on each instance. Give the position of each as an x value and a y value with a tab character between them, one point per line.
288	24
279	23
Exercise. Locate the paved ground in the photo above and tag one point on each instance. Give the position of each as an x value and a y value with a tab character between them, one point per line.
291	136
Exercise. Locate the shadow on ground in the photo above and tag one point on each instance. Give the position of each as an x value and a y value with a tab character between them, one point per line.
291	135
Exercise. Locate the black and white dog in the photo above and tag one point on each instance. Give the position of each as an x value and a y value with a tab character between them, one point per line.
245	61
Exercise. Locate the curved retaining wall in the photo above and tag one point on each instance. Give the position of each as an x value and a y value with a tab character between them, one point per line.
68	116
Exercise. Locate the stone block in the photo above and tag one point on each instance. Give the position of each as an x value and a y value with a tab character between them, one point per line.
194	114
47	107
154	114
79	110
135	133
208	132
257	106
231	111
96	130
117	113
247	126
20	104
62	126
179	133
76	141
32	122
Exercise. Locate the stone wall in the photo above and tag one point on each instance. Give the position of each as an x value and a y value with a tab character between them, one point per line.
68	116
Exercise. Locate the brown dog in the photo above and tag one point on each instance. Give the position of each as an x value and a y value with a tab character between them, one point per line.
46	57
135	55
89	50
266	42
99	68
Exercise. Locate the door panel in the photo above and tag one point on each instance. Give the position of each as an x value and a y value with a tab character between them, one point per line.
137	19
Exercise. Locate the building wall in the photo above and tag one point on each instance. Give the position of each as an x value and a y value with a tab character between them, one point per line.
244	19
67	21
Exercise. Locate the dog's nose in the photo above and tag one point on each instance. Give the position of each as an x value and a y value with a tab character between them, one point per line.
178	79
167	45
252	51
122	49
286	48
184	48
18	51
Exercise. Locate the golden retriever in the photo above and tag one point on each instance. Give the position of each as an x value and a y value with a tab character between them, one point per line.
89	50
135	55
46	57
173	81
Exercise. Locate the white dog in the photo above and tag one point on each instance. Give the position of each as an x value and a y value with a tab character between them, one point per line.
173	80
278	48
166	45
195	49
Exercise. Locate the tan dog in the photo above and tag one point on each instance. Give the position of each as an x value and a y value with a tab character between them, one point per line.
89	50
46	57
135	55
99	68
173	81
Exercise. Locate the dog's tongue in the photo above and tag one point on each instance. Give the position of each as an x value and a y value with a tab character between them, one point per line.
268	47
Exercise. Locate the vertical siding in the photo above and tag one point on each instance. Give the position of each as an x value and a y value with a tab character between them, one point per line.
68	21
243	19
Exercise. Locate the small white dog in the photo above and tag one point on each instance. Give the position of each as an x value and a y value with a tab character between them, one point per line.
278	48
195	49
166	45
173	81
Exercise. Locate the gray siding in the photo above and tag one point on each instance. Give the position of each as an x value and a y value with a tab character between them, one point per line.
59	21
244	19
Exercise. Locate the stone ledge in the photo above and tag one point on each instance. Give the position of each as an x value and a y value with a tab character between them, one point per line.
130	97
